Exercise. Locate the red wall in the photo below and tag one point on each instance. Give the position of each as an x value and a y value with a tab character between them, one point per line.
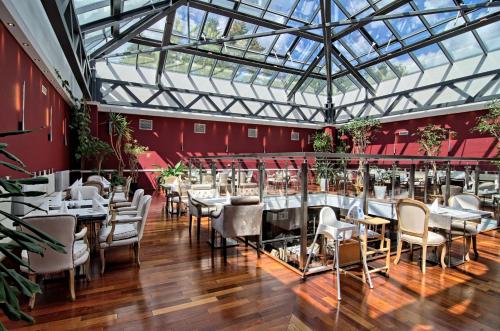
173	139
464	144
33	148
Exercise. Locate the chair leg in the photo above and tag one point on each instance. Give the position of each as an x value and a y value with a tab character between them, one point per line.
424	258
388	256
398	252
32	277
411	252
87	270
198	228
257	247
474	246
212	239
224	248
310	255
137	249
190	223
246	241
443	255
72	284
103	260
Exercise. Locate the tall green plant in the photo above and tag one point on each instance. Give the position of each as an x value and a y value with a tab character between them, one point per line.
121	133
323	143
178	170
490	123
133	149
12	284
100	151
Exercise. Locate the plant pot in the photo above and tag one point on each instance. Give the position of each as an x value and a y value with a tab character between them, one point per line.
323	184
380	191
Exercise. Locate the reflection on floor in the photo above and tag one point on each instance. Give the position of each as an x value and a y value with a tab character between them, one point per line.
181	287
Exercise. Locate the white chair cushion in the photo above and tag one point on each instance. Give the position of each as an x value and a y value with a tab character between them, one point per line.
457	228
80	254
122	231
433	239
119	197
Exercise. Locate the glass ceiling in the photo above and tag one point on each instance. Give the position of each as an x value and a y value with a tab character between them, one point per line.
292	51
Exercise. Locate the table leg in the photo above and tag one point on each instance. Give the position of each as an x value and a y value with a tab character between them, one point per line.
337	268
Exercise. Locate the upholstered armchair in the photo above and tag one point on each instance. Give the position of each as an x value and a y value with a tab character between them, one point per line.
126	230
87	192
454	190
413	228
196	209
242	218
132	205
466	201
120	194
62	228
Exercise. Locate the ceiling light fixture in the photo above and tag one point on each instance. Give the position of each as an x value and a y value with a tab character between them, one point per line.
11	24
26	44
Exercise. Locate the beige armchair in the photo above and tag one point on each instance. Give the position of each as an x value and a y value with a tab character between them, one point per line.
242	218
121	194
125	231
132	205
97	184
413	228
61	228
196	209
466	201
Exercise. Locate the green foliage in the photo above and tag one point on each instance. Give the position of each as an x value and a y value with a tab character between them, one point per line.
178	170
100	151
323	142
121	133
430	139
13	284
117	180
134	149
490	123
360	131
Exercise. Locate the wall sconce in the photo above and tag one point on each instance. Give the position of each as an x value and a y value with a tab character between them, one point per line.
50	124
21	122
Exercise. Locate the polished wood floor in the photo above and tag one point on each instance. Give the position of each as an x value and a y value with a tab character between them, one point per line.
179	286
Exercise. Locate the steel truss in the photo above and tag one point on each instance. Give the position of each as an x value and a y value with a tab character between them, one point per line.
282	111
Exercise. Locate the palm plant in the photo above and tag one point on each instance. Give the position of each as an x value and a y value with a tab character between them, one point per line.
177	170
12	284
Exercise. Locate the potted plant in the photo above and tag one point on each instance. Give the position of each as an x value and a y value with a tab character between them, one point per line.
360	130
430	139
121	133
323	143
178	170
133	149
12	283
117	181
380	188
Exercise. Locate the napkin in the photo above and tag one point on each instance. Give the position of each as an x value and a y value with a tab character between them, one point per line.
228	198
79	196
64	207
435	206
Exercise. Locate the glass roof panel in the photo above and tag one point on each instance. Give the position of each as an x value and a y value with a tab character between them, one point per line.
462	46
245	74
94	15
224	70
379	32
148	60
345	83
133	4
181	22
436	18
381	71
408	25
264	77
240	28
283	79
430	56
404	65
353	7
305	10
177	62
282	45
202	66
303	50
490	36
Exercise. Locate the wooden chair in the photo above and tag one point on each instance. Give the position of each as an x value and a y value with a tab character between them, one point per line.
413	228
196	209
62	228
96	184
466	201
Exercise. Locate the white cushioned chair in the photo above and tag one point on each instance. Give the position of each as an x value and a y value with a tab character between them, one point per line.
132	205
125	230
242	218
61	228
413	228
466	201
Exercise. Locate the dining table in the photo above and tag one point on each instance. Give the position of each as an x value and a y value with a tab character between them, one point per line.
443	217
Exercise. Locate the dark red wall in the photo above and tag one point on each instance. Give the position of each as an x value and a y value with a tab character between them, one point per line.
465	143
33	148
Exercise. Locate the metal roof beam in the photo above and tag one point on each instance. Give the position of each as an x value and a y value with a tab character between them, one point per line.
167	34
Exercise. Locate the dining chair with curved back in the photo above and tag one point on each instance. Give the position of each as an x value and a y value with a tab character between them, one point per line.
132	205
413	228
466	201
97	184
61	228
126	231
86	192
196	209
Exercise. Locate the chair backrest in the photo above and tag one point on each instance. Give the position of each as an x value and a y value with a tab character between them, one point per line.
198	193
243	220
146	203
465	201
327	216
87	192
96	184
61	228
207	179
223	177
128	182
138	194
95	178
142	204
454	190
413	217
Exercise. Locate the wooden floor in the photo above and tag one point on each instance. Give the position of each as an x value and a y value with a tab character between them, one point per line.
179	286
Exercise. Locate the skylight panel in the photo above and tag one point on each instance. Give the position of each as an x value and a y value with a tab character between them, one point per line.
283	79
345	83
408	25
462	46
305	10
262	44
181	22
178	62
133	4
264	77
490	36
283	44
379	32
358	44
430	56
224	70
404	65
303	50
240	28
354	6
280	6
245	74
381	71
202	66
94	15
224	3
436	18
